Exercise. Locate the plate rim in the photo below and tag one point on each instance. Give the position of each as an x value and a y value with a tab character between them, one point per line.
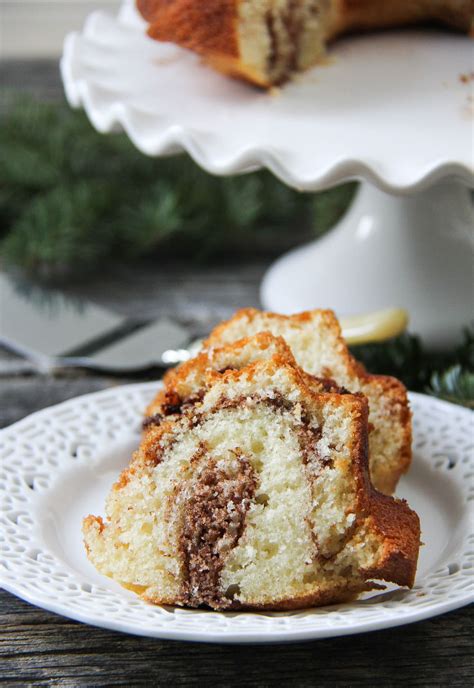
235	636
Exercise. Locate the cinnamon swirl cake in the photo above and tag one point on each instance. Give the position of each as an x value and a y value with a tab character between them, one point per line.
266	41
253	495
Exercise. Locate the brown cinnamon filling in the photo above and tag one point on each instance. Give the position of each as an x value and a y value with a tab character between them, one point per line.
294	24
314	463
312	459
173	405
277	401
309	434
214	520
217	498
273	54
293	27
190	402
149	421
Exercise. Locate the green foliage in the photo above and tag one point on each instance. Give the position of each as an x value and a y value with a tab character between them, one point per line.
71	197
328	208
448	375
454	384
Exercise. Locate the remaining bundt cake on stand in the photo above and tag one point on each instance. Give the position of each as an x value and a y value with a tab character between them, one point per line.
266	41
253	493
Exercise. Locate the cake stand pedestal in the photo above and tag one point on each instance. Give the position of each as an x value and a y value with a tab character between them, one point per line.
394	110
409	251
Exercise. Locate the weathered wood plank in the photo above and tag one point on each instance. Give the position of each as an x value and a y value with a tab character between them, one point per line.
46	649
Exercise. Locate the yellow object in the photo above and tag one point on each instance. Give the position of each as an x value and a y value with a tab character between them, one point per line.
374	327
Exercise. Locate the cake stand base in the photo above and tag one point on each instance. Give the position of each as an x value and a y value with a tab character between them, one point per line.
415	252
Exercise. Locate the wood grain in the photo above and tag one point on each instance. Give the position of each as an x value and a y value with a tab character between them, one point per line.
39	648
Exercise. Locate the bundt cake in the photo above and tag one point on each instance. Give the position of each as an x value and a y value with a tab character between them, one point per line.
266	41
254	496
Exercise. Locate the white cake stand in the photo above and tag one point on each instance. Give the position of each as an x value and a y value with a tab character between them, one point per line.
395	110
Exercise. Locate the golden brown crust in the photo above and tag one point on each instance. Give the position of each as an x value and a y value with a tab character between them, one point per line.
208	28
395	391
391	518
208	359
326	316
366	15
400	527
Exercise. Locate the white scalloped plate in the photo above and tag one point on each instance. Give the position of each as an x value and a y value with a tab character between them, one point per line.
57	466
390	108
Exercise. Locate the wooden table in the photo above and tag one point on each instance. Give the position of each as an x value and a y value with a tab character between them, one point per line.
41	648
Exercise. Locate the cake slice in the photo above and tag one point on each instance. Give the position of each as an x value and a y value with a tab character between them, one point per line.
266	41
315	340
258	497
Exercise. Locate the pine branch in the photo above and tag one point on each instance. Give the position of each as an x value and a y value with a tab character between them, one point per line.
71	195
448	375
454	384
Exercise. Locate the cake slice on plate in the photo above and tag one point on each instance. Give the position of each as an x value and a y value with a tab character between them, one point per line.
257	496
